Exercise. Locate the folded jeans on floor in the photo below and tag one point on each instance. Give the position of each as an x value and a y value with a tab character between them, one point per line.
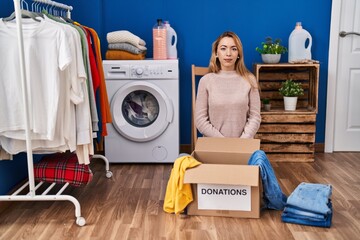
301	212
319	223
312	197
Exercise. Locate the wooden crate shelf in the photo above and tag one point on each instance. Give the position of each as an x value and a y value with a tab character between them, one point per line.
288	136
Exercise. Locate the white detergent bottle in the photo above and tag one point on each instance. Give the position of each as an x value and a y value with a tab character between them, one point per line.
171	40
298	39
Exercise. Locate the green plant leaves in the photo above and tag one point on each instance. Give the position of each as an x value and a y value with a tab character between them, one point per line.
271	47
289	88
266	101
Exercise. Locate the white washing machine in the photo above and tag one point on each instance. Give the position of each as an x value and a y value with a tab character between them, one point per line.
144	96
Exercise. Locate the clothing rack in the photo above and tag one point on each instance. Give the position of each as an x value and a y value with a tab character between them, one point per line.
31	195
58	5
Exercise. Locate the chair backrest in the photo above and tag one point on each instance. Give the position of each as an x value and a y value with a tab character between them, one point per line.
196	73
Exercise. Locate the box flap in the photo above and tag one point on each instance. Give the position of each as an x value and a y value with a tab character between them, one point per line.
232	145
223	174
225	150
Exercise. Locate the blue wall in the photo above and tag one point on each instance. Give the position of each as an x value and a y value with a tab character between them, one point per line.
198	23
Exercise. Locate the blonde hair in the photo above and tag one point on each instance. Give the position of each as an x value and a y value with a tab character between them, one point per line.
240	68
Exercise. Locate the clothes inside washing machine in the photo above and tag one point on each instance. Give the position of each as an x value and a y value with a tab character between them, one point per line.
140	108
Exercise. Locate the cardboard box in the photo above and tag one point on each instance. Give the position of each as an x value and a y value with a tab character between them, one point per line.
224	185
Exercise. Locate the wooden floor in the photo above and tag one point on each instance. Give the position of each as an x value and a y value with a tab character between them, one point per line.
129	206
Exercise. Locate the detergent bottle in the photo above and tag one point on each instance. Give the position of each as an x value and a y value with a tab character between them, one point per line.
159	40
298	51
171	40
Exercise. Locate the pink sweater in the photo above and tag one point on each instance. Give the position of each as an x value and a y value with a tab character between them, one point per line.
227	106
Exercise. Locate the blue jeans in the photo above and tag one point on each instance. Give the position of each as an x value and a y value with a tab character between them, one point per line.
272	193
311	197
293	218
302	213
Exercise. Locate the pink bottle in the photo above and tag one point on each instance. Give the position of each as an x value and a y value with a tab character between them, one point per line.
159	40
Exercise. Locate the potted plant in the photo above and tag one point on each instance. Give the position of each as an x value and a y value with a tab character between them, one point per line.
271	50
290	90
266	104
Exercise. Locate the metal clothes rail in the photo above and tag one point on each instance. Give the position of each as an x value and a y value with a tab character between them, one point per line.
31	195
58	5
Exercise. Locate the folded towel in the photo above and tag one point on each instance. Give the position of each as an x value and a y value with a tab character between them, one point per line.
127	47
123	55
125	36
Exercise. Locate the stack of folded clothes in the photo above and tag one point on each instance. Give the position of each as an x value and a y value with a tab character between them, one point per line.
124	45
309	204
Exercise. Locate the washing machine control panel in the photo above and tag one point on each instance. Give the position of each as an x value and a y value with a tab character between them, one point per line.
141	69
146	71
153	71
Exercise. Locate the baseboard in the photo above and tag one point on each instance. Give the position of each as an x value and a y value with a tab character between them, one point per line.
319	147
185	148
4	205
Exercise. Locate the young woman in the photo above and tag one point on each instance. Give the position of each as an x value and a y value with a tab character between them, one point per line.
228	100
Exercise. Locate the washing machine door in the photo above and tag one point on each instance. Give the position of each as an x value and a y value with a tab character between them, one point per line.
141	111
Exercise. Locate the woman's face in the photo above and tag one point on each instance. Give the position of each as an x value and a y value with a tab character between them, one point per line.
227	53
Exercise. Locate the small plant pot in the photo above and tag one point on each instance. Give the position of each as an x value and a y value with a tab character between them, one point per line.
271	58
267	107
290	103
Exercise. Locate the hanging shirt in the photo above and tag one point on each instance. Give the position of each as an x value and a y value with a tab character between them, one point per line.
71	91
104	101
46	45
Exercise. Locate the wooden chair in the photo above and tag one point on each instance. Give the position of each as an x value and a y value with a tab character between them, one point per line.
196	74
